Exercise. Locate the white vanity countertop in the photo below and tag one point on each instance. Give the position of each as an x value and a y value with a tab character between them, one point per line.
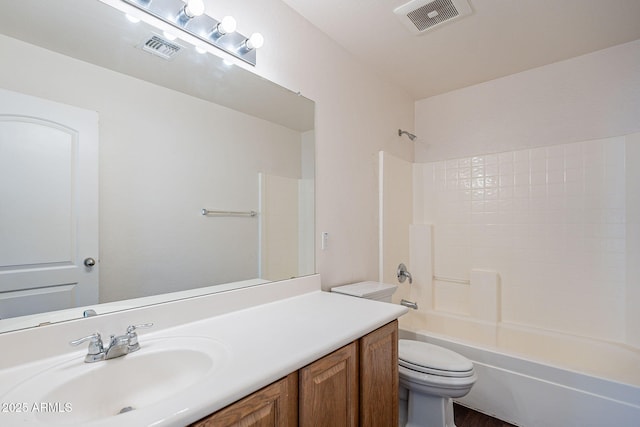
264	343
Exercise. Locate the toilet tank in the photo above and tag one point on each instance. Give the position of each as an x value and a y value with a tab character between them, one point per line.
369	290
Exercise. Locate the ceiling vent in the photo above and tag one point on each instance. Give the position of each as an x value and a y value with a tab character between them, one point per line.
160	47
420	16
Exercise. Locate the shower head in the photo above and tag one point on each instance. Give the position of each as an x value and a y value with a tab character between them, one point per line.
410	135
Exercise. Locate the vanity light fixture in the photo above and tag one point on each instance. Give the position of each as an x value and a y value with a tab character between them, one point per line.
190	17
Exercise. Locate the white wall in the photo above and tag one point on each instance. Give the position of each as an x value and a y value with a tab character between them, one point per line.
589	97
525	175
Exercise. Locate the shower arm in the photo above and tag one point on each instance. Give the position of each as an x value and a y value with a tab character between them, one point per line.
404	132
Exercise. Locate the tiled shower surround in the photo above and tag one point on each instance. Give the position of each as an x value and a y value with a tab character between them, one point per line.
551	221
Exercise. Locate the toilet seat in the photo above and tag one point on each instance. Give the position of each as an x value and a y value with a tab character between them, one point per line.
436	372
436	385
433	360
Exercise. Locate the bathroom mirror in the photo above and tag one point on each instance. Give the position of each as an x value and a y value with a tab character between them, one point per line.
176	136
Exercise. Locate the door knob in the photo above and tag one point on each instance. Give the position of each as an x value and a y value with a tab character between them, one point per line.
89	262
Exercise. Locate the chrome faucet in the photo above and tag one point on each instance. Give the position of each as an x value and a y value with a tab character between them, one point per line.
118	345
409	304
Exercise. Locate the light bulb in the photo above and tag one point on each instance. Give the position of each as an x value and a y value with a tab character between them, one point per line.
194	8
255	41
227	25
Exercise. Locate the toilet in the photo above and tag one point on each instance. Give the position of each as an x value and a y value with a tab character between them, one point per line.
430	376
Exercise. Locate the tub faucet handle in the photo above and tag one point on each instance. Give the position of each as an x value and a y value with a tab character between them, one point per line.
402	274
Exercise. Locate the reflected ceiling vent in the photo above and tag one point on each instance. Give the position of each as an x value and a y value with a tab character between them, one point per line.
161	47
420	16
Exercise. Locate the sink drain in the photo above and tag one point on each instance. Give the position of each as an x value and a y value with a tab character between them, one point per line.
126	409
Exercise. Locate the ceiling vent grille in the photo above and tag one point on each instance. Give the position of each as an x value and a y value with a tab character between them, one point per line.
420	16
161	47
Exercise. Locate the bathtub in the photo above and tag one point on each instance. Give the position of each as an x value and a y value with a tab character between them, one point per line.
537	378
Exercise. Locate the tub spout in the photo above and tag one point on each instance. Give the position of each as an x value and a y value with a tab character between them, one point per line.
409	304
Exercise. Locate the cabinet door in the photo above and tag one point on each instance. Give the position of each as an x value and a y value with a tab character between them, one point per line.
274	406
329	390
379	377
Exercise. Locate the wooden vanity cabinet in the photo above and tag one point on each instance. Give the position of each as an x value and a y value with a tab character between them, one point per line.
379	377
276	405
356	385
328	392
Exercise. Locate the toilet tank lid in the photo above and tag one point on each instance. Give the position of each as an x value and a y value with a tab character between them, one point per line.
366	289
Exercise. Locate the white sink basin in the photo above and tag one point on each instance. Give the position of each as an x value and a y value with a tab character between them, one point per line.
77	393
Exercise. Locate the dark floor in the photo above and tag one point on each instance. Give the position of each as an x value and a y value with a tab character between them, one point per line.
465	417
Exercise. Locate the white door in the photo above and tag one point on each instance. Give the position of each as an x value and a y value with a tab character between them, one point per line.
48	205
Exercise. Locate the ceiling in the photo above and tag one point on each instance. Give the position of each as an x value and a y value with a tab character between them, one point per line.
499	38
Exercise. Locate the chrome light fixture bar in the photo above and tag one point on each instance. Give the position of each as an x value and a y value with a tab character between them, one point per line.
190	17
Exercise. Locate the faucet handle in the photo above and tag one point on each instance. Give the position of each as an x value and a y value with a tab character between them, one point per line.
132	328
133	336
95	346
95	351
403	274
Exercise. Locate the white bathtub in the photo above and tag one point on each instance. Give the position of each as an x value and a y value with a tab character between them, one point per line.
537	378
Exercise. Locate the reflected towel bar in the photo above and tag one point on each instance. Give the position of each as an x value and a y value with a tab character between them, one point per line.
228	213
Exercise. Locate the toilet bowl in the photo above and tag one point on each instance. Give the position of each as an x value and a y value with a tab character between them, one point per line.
430	376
